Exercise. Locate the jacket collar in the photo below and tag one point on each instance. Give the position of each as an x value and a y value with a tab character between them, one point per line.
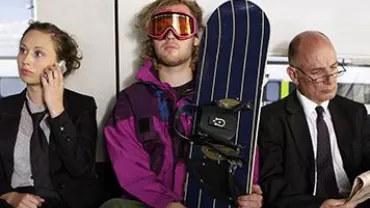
147	74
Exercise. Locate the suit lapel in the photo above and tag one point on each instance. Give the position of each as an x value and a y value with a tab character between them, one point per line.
9	124
300	133
10	115
340	122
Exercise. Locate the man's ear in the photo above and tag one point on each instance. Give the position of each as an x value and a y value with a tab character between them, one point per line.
292	74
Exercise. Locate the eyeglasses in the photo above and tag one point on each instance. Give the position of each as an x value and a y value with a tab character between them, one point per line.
322	78
183	25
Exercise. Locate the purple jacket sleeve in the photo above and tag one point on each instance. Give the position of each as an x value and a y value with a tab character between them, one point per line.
131	162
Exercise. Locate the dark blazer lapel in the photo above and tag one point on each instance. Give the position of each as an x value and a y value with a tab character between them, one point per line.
10	115
341	128
300	132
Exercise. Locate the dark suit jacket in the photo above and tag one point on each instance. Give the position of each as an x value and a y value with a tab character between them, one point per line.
287	159
72	144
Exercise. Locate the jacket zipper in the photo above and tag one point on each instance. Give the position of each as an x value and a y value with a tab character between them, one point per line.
172	133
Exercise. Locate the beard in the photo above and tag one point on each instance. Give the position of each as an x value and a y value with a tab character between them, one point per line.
172	62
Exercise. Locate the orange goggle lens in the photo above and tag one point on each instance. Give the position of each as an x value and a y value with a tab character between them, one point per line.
183	25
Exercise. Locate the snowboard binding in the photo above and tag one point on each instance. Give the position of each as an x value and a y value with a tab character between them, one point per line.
214	129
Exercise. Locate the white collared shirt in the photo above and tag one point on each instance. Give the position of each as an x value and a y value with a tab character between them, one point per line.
311	115
22	174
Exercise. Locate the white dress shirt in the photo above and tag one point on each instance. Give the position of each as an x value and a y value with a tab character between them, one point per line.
311	115
22	174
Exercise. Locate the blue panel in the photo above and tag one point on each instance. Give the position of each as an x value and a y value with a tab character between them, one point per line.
272	91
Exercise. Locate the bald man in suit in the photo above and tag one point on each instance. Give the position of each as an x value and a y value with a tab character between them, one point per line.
313	142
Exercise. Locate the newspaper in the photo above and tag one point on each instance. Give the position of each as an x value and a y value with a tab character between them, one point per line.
361	189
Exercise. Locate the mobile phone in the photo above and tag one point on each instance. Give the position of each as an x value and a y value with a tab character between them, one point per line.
62	66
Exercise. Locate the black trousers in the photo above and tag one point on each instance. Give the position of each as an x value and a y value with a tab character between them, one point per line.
3	204
364	204
49	203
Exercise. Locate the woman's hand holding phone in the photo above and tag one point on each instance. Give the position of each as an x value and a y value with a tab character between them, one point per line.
53	87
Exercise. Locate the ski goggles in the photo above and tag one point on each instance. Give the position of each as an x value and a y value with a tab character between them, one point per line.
183	25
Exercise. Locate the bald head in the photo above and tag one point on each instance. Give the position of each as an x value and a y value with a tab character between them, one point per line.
312	56
305	42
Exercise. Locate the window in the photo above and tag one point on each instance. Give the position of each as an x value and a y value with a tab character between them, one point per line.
14	18
354	84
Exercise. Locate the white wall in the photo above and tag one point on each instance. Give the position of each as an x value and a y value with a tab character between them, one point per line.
346	23
91	23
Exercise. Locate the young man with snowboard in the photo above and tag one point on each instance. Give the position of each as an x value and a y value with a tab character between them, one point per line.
147	157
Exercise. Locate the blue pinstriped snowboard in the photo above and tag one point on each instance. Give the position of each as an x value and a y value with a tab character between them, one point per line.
231	65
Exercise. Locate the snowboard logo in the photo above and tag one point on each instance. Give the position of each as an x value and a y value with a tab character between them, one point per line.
218	122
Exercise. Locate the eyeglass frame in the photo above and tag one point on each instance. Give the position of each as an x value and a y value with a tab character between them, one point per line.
324	77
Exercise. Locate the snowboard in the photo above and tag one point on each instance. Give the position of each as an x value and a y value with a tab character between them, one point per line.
228	98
